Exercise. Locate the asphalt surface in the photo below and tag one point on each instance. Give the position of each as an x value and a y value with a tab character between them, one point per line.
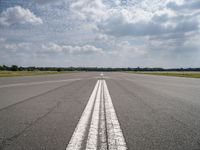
154	112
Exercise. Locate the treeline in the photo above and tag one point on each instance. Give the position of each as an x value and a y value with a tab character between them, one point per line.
33	68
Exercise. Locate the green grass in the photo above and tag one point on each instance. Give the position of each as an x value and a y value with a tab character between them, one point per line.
175	74
29	73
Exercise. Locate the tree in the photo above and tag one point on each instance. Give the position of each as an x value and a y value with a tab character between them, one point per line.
1	67
59	69
14	68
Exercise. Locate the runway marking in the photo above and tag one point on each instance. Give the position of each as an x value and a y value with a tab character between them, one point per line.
104	129
116	139
36	83
94	126
80	131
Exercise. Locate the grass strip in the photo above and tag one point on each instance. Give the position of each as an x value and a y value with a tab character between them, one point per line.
175	74
30	73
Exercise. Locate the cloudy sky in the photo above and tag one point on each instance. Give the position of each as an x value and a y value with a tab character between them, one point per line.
103	33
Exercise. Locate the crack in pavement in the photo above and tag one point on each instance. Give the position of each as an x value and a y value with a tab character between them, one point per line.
9	140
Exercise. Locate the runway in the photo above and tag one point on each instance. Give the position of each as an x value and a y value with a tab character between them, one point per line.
94	110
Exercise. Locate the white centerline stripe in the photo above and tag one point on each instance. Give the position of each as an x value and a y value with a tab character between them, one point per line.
94	126
80	131
104	129
116	139
36	83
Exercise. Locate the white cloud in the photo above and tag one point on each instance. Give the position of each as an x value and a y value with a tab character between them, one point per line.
187	5
19	15
2	40
46	1
124	22
101	37
15	47
25	47
118	27
86	49
51	47
89	10
142	20
125	49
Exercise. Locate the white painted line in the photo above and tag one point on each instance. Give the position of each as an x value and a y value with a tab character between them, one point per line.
36	83
80	131
102	129
116	139
93	131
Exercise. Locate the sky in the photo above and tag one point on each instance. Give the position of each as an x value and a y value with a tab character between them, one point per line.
100	33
